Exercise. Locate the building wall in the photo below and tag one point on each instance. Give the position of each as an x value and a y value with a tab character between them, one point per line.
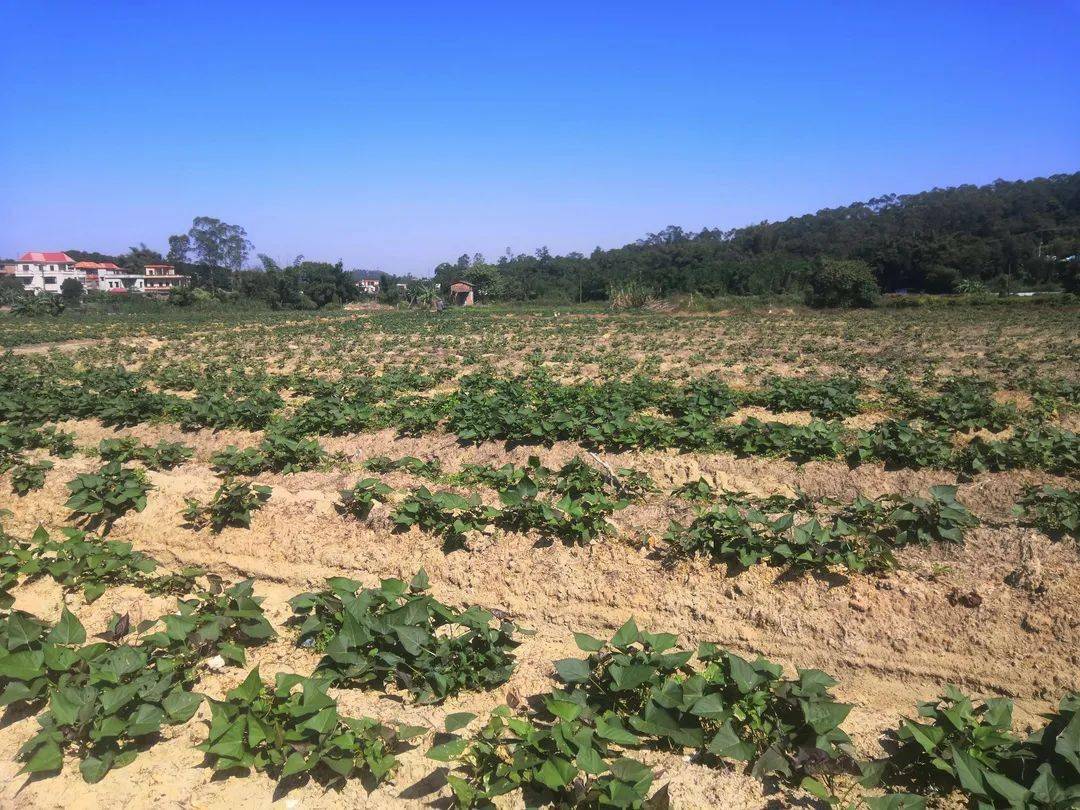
47	277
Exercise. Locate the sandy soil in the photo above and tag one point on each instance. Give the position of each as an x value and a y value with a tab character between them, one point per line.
890	640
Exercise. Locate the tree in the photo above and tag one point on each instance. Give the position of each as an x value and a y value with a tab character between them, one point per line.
136	259
941	279
1014	232
1070	276
11	290
72	292
182	296
179	248
326	283
842	283
217	243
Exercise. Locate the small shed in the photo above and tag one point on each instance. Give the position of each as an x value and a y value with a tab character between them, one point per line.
462	294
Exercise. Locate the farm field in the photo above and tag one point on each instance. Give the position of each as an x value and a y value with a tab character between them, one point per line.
446	523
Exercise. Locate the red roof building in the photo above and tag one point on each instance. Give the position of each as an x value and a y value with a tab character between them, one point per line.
462	294
96	266
46	257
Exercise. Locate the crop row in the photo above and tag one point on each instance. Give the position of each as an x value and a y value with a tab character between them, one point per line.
574	503
615	415
105	701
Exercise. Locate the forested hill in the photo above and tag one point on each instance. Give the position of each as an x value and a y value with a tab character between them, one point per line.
1005	233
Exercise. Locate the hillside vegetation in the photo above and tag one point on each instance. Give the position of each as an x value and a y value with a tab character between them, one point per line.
1003	235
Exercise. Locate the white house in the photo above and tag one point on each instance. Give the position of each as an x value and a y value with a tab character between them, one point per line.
46	271
108	277
368	286
161	278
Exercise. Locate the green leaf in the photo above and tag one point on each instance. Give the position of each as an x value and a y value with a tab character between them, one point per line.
465	793
815	788
563	709
626	635
22	666
180	706
629	678
590	761
293	765
93	769
968	771
896	801
22	630
824	716
68	630
458	720
573	670
419	582
556	772
587	643
247	690
447	751
1015	794
48	757
411	638
771	761
147	719
611	728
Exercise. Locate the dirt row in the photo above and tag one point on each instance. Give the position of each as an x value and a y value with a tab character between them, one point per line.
890	640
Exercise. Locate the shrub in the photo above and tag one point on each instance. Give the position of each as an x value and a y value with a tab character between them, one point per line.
359	500
1053	510
29	476
842	283
231	505
560	762
101	498
631	294
72	292
122	449
961	746
119	697
287	732
216	622
729	707
446	514
902	444
397	633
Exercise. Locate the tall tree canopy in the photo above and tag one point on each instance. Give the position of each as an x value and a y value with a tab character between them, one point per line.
211	242
1006	232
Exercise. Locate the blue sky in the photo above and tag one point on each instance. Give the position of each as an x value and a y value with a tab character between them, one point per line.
394	136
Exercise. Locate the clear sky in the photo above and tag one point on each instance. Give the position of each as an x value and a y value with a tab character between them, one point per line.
397	135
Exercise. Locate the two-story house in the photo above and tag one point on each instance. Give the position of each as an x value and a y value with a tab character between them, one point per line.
160	278
45	271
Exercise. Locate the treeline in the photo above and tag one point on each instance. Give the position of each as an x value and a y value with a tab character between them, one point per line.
1000	237
212	254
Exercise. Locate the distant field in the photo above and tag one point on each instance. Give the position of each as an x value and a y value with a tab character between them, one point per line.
777	481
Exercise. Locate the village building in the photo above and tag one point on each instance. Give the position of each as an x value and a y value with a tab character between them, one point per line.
94	272
368	286
45	271
462	294
161	278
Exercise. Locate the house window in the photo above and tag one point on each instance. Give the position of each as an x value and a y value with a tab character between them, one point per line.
24	279
50	279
